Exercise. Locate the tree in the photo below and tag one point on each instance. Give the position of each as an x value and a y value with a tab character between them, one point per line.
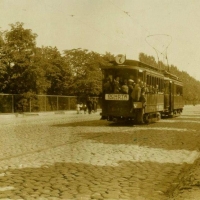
18	72
85	69
56	71
150	60
18	50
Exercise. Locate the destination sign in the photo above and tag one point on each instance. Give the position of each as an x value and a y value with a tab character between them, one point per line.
119	97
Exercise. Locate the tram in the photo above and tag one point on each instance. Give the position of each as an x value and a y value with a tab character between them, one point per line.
135	91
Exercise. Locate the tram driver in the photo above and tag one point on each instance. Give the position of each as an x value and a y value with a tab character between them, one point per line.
116	85
107	87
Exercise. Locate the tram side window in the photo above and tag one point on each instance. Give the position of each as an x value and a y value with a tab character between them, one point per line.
175	89
147	79
140	76
150	85
162	85
159	85
161	90
179	90
154	85
166	87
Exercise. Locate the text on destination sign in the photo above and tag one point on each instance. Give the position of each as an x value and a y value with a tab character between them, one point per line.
121	97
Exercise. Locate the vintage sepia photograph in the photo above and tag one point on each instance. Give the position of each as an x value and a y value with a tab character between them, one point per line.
99	100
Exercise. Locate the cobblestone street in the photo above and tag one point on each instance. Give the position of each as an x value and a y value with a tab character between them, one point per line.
79	156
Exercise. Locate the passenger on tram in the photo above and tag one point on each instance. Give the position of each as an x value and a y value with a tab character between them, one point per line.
124	88
116	85
151	89
156	89
142	86
145	88
130	86
107	87
137	90
143	100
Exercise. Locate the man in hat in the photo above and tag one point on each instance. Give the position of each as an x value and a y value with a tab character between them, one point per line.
130	85
125	88
130	90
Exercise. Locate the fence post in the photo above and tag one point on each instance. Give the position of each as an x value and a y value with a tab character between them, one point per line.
69	103
30	105
12	104
45	103
57	103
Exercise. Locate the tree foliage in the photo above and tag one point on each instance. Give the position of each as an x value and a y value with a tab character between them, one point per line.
150	60
85	71
27	70
16	60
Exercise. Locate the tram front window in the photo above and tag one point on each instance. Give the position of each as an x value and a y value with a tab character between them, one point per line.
118	81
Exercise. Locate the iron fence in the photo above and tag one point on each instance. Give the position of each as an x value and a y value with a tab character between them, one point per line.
11	103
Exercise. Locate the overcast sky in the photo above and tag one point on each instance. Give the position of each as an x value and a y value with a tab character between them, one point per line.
117	26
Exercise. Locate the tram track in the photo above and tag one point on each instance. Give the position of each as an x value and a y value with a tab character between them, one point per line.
48	148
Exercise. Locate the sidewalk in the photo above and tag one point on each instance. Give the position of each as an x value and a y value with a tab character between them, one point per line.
28	114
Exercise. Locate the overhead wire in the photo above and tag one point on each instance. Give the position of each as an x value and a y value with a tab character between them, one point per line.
156	50
165	49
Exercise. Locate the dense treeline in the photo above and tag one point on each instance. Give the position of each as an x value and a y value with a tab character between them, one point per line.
191	85
28	70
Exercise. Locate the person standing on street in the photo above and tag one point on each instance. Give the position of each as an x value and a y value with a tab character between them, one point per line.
95	105
89	105
78	107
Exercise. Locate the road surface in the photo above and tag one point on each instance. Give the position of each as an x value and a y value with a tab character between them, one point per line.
79	156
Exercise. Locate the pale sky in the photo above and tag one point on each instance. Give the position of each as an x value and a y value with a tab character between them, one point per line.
115	26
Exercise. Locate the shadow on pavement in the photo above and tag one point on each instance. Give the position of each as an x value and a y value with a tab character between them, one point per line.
102	123
164	139
95	123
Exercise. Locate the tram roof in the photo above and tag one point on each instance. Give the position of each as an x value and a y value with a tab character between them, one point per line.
132	63
171	76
